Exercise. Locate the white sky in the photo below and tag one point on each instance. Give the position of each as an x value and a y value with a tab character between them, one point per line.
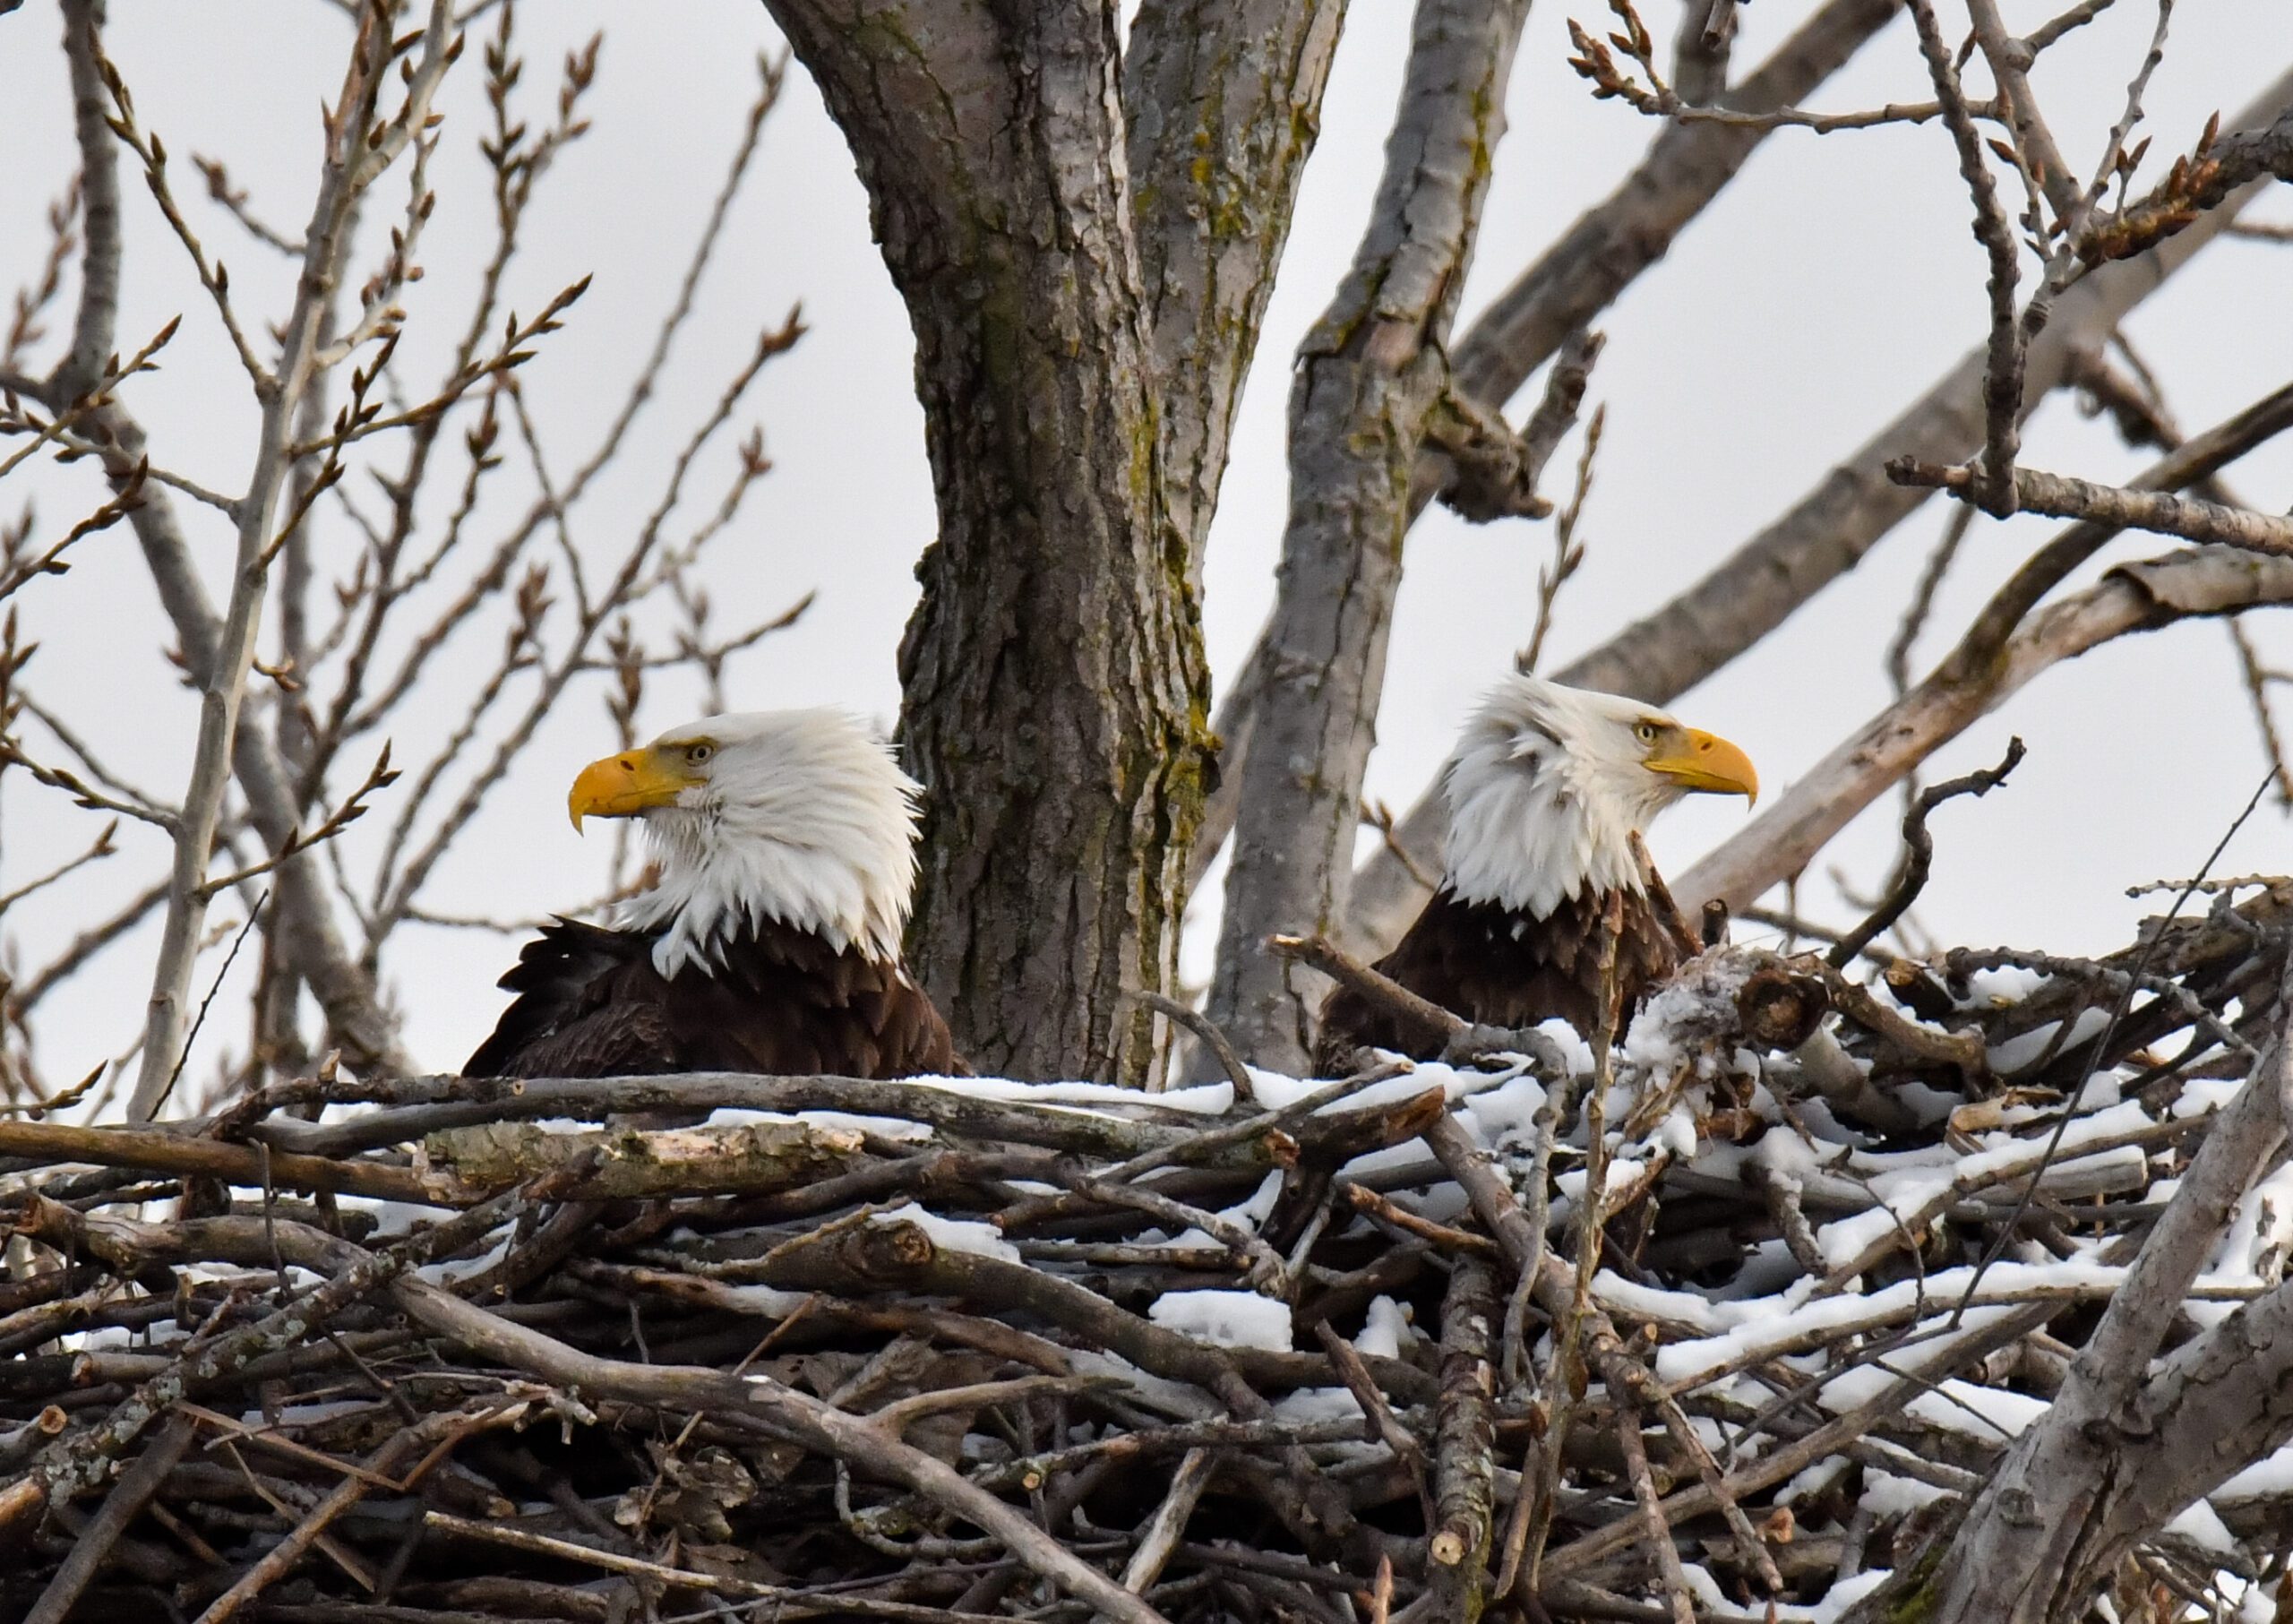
1832	283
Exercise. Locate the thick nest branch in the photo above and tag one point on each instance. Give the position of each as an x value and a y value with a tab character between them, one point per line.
968	1350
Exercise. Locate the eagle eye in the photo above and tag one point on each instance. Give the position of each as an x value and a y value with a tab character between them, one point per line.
698	755
1646	731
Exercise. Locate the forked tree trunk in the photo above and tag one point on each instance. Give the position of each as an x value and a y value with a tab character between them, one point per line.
1053	675
1086	299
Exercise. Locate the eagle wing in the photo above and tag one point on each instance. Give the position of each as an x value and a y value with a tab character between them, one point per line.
796	1006
589	1004
781	1002
1497	967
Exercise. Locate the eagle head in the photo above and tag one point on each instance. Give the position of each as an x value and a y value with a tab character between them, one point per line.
1548	784
798	817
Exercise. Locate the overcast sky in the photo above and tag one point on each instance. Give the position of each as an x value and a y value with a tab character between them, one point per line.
1832	283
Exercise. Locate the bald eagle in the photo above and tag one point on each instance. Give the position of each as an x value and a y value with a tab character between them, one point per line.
771	941
1547	789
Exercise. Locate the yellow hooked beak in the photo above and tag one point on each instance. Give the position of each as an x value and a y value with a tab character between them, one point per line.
1708	764
623	786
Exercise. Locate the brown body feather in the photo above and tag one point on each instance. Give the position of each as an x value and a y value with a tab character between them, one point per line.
781	1002
1499	968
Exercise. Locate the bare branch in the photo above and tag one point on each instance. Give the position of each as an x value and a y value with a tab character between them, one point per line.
1594	62
357	149
1370	375
1922	597
84	795
74	409
102	848
354	807
234	201
1919	854
1567	553
93	331
50	561
2191	518
2002	378
2133	597
2196	185
2257	681
213	277
2077	17
2010	60
1700	51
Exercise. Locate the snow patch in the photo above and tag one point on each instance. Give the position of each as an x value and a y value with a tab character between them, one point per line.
1226	1320
2202	1526
1383	1333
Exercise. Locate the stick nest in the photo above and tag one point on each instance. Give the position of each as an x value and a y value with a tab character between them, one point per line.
731	1348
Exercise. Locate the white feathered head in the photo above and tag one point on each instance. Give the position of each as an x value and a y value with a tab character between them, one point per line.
798	816
1548	784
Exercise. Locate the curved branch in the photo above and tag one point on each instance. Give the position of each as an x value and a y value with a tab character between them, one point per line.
1991	662
2133	597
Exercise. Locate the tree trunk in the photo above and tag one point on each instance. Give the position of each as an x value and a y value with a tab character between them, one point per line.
1223	98
1369	376
1053	675
1079	353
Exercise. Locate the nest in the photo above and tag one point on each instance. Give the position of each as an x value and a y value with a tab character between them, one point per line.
428	1352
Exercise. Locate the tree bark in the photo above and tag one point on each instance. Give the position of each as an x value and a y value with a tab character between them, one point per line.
1369	376
1224	102
1080	347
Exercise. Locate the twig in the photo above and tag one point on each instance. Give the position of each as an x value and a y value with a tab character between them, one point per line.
199	1020
1657	1532
2078	17
1220	1045
1164	1529
128	1496
2094	1055
2034	145
787	1602
1922	597
2257	682
1594	62
1567	553
1919	854
2002	382
1333	962
73	1466
1458	1548
102	848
